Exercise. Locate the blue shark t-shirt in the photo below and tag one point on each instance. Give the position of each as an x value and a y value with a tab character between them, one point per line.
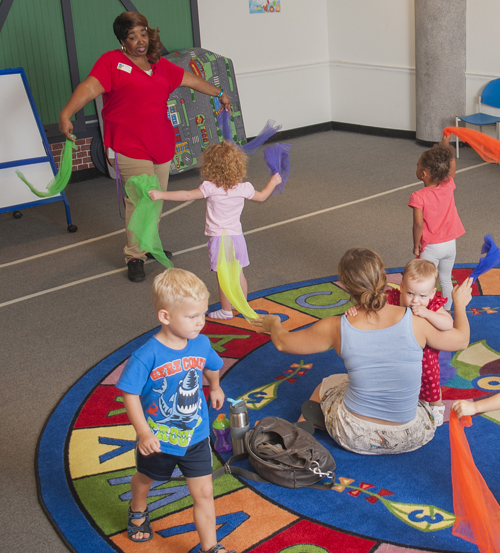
170	385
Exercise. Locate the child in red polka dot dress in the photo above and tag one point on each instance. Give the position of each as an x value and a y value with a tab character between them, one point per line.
418	291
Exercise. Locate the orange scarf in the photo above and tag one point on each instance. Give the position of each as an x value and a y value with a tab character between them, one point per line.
477	513
486	146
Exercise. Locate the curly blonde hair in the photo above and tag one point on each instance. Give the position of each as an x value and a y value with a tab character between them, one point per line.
128	20
224	164
362	273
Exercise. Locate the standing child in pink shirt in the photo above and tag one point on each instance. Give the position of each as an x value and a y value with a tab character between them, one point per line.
223	165
436	224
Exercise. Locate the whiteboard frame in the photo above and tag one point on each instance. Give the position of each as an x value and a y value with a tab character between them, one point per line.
48	158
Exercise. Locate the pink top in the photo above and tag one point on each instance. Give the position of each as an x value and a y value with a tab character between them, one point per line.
136	124
441	220
224	207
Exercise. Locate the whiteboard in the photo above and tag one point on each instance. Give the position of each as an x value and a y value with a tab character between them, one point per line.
22	139
13	190
23	145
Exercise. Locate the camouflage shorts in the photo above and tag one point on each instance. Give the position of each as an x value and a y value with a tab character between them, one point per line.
369	438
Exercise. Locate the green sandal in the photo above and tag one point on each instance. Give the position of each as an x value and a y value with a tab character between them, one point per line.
145	527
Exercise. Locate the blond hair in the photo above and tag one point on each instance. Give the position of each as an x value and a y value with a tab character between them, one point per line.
174	285
224	164
420	270
362	273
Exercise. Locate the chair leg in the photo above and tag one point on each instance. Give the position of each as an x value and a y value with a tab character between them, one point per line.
457	140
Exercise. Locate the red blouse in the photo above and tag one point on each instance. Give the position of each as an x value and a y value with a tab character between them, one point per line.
135	106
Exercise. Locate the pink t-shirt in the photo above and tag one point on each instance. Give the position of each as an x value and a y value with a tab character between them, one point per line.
441	220
136	124
224	207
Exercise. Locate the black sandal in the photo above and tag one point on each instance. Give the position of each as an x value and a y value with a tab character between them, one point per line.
217	547
311	411
145	527
308	426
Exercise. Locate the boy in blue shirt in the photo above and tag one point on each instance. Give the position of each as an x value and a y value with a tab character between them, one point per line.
162	390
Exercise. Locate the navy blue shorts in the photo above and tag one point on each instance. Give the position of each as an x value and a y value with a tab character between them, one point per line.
159	466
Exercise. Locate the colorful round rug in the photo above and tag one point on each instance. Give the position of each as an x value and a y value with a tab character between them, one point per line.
388	504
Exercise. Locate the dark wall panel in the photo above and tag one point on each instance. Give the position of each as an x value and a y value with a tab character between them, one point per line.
33	37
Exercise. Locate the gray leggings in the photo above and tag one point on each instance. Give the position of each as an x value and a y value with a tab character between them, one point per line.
443	256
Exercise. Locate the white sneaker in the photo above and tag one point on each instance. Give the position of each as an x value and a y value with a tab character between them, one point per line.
438	413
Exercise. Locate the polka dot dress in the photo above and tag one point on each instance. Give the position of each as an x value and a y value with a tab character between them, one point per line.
430	389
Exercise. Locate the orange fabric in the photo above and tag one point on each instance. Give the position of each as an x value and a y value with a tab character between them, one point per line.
486	146
477	513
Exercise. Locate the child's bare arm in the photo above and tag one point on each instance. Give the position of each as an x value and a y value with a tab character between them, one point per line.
453	168
464	407
453	163
270	186
440	319
148	442
418	226
216	392
176	195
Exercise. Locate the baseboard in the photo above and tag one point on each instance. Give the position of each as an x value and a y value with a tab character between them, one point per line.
428	144
280	136
424	143
337	126
374	131
301	131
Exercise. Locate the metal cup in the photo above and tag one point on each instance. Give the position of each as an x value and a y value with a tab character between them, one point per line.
238	417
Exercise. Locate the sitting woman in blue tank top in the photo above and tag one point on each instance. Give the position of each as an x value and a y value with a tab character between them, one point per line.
374	408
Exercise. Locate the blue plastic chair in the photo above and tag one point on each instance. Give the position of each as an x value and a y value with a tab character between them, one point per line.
489	97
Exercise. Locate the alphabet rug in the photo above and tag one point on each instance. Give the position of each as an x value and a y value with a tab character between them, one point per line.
383	503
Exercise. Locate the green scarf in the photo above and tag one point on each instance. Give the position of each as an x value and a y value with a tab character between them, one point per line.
60	181
144	220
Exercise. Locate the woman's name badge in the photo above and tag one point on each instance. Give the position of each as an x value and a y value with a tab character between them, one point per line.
124	67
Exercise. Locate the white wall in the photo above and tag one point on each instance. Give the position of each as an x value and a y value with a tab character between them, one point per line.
372	62
483	47
349	61
280	60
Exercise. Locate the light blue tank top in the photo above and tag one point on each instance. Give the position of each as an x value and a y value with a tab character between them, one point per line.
384	368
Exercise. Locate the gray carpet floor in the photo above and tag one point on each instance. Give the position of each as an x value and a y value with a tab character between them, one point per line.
66	302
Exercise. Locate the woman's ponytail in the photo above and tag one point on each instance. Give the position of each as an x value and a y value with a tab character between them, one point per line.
362	273
373	301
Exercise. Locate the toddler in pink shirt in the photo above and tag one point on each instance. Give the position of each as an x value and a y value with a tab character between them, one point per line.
223	166
436	224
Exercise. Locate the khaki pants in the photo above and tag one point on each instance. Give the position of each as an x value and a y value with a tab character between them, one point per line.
133	168
370	438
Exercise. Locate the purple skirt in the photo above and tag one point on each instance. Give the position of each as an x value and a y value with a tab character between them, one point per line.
240	250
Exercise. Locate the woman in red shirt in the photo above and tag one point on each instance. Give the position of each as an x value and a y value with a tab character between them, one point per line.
136	83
